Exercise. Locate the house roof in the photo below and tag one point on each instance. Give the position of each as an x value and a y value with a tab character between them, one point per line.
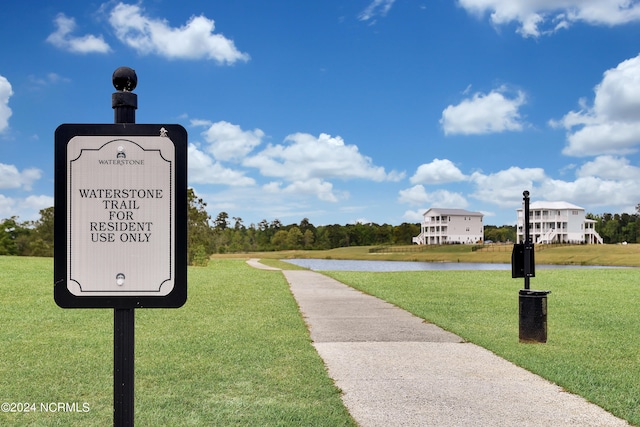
451	212
553	206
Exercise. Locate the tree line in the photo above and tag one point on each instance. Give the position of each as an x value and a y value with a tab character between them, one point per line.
225	234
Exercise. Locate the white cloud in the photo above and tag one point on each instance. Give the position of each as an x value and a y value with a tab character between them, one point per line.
376	8
414	215
35	204
323	190
504	188
606	182
5	112
437	172
305	157
418	196
484	113
11	177
195	40
612	124
49	79
609	167
228	142
63	39
7	206
204	170
536	17
593	191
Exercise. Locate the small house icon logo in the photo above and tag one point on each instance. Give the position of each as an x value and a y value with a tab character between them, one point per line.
121	154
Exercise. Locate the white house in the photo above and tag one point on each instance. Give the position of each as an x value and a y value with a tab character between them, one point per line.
557	222
441	226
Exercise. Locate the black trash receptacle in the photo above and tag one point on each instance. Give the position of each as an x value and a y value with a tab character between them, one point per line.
533	316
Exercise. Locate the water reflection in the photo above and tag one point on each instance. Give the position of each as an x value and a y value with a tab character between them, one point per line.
384	266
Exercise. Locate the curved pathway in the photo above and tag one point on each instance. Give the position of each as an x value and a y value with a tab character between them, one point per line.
394	369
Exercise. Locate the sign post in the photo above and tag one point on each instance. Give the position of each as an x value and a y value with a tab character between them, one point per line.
121	223
532	304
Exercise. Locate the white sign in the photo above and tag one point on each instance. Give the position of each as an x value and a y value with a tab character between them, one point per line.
120	205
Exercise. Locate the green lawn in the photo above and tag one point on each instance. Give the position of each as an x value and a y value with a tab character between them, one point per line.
593	346
238	353
615	255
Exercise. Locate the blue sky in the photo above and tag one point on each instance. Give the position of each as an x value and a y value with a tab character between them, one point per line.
366	110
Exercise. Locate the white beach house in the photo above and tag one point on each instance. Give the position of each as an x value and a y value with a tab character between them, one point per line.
442	226
557	222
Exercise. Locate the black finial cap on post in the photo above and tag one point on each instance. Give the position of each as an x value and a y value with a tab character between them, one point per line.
124	102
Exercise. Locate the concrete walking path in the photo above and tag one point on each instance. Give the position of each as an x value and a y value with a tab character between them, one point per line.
394	369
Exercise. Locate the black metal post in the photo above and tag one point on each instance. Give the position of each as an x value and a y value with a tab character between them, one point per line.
528	246
124	105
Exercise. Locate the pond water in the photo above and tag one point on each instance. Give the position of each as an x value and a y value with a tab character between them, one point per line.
384	266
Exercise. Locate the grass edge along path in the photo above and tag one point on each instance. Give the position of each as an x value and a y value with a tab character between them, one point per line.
237	354
593	346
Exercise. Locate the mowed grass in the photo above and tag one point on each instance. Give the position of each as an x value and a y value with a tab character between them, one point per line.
237	354
597	255
593	346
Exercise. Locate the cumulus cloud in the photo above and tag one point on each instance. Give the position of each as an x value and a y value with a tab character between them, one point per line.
418	196
609	167
484	113
48	79
593	191
537	17
5	112
63	39
205	170
35	203
304	156
302	165
7	206
414	215
612	124
607	181
194	40
228	142
11	177
437	172
319	188
504	188
376	8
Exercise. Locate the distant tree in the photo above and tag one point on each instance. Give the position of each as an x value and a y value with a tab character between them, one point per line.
14	237
306	225
279	240
41	241
611	231
295	238
504	233
308	239
221	222
238	225
275	225
404	233
199	239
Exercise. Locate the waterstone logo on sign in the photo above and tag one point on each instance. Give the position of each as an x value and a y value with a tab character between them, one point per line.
120	207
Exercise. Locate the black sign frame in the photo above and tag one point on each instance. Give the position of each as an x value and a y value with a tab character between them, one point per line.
178	295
